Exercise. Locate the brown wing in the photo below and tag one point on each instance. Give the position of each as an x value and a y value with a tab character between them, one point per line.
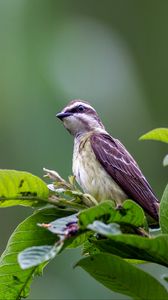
120	165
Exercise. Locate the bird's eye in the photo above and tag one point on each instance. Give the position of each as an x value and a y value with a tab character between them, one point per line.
81	108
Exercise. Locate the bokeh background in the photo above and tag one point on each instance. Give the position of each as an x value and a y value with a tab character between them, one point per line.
113	53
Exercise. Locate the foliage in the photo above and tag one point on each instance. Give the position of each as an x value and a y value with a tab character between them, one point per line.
114	241
159	134
164	211
21	188
120	276
14	281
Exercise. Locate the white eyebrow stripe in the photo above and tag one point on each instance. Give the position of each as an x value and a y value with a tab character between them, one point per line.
77	104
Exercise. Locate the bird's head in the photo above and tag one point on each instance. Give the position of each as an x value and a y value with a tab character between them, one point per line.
80	117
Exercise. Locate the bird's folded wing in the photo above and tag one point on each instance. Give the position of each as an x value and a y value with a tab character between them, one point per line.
121	166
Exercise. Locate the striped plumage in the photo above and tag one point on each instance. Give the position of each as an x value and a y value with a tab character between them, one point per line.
90	175
101	164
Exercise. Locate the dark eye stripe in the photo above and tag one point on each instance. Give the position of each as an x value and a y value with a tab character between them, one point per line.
79	108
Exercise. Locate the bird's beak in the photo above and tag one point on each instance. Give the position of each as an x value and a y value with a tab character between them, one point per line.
63	115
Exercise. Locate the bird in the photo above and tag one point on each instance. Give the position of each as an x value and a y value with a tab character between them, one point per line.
101	164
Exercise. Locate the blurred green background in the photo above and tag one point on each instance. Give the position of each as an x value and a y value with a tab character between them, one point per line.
113	53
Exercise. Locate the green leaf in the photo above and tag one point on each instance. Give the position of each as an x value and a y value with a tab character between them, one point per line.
78	240
130	213
21	188
122	277
165	161
102	211
89	248
158	134
35	256
15	282
135	247
164	211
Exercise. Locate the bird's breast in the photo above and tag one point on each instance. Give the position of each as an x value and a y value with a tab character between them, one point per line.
91	176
